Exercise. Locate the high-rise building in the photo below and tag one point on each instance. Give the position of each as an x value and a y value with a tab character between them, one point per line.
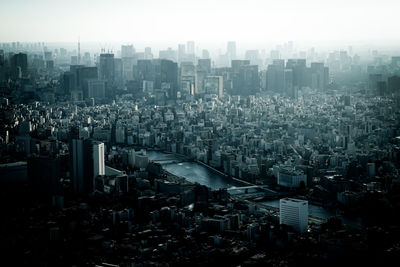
127	51
96	89
107	71
318	76
98	158
147	53
294	213
289	89
169	77
190	47
299	69
275	76
169	54
253	56
187	77
204	65
107	68
77	166
118	72
85	73
19	64
245	79
68	82
394	84
181	52
214	85
231	50
86	161
205	54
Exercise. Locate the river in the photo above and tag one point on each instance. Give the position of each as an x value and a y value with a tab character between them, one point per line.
192	171
195	172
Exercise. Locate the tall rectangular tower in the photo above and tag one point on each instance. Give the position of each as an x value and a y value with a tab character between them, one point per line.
294	213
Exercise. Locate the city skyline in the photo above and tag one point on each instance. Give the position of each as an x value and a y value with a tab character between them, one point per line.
200	133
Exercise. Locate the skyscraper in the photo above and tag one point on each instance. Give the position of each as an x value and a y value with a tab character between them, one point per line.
231	50
190	47
294	213
106	67
214	85
318	76
107	72
98	158
169	77
77	166
204	65
86	163
19	64
127	51
275	76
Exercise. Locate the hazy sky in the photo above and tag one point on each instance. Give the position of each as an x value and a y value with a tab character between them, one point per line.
206	21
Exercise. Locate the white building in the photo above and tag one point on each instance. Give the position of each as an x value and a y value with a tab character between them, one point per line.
289	177
294	213
98	159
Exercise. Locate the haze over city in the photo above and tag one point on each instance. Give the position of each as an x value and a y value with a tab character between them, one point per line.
208	22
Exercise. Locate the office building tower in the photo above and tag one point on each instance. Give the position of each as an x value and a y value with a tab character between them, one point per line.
86	161
19	65
145	73
204	65
394	85
275	54
190	47
74	60
107	68
245	79
294	213
107	72
187	77
86	60
214	85
83	74
289	89
96	89
127	51
205	54
318	76
374	80
169	77
145	70
237	64
169	54
147	53
68	82
275	76
181	52
231	50
98	158
48	56
77	166
253	57
118	72
299	70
